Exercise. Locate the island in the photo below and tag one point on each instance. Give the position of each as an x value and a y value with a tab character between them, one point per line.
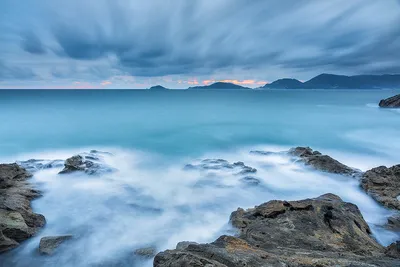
158	88
219	85
333	81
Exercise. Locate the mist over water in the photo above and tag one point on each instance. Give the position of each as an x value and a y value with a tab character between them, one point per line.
152	200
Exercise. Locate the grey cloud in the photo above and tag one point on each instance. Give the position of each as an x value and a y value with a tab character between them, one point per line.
32	44
157	38
8	72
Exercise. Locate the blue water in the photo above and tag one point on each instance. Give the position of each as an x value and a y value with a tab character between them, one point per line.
153	134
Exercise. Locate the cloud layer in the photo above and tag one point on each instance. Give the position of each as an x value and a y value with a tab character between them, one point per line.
197	40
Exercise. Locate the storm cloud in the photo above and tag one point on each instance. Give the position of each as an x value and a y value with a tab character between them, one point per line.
206	38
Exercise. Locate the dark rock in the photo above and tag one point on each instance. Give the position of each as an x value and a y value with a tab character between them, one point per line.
393	223
321	162
221	164
319	232
383	184
250	181
90	163
17	221
34	165
149	252
393	250
185	244
391	102
49	244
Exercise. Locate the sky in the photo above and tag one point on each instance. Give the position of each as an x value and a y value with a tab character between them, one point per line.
182	43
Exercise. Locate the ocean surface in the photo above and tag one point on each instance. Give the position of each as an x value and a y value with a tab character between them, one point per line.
152	200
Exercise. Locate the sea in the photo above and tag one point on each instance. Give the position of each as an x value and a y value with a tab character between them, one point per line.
152	199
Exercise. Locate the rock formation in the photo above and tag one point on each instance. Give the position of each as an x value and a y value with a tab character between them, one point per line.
17	221
49	244
391	102
324	231
90	163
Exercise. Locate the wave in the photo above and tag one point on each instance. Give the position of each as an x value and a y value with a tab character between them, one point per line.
153	201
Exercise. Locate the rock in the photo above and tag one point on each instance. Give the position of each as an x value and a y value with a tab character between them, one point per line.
149	252
34	165
17	221
220	164
391	102
250	181
383	184
393	223
393	250
91	163
184	245
321	162
49	244
324	231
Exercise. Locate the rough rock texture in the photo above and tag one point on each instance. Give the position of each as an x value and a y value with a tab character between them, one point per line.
90	163
184	245
383	184
49	244
317	232
321	162
391	102
393	223
17	221
393	250
220	164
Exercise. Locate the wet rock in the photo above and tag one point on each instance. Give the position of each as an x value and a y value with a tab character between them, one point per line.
91	163
185	244
324	231
17	221
321	162
383	184
149	252
391	102
393	223
49	244
34	165
220	164
250	181
393	250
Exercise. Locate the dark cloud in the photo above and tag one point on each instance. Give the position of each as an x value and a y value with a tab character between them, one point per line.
32	44
200	37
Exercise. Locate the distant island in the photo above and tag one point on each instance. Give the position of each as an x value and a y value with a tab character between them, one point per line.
158	88
219	85
332	81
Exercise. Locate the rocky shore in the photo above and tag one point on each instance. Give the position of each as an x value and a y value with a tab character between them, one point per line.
318	232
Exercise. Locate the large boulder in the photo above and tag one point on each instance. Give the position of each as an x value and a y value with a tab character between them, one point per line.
321	162
49	244
383	184
320	232
17	220
391	102
91	163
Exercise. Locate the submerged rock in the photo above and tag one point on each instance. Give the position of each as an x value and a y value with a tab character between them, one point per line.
321	162
17	220
220	164
34	165
149	252
391	102
90	163
383	184
49	244
324	231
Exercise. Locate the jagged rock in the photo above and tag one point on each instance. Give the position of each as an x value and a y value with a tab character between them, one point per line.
391	102
393	223
149	252
383	184
49	244
90	163
321	162
220	164
34	165
319	232
184	244
17	221
393	250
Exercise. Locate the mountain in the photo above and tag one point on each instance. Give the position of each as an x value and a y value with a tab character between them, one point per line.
332	81
158	88
219	85
285	83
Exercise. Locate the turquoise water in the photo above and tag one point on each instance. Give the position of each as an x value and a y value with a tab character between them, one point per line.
153	134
